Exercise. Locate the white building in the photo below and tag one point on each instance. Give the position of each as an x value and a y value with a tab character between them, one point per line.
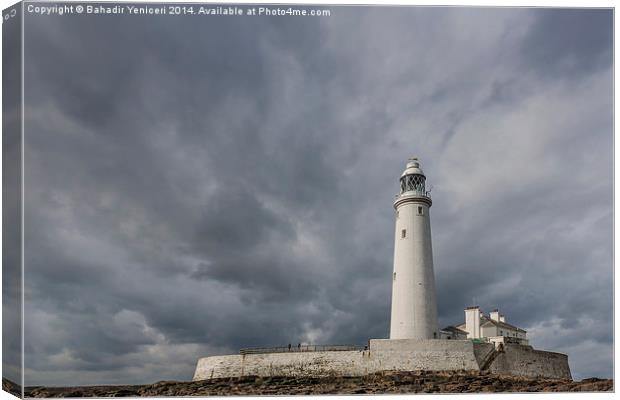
414	307
491	328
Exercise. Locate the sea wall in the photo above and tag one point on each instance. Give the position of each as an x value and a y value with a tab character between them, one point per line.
384	355
413	355
525	361
390	355
313	363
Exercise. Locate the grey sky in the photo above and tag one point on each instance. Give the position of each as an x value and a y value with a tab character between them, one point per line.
196	185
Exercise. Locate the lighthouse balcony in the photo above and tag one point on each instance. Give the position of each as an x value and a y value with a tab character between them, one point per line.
413	197
426	194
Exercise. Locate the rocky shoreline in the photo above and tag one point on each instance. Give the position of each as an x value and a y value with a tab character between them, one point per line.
388	382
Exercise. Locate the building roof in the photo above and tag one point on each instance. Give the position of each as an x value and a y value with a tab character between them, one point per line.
454	329
486	321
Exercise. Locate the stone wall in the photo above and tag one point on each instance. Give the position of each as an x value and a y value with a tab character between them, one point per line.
390	355
312	363
525	361
413	355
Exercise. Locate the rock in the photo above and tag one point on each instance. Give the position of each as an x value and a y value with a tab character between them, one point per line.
379	383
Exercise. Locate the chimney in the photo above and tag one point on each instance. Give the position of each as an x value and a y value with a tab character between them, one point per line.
502	318
495	315
472	322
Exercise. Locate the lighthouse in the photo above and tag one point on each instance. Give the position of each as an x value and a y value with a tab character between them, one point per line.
414	305
411	345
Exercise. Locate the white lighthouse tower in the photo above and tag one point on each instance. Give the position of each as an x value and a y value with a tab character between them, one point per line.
414	306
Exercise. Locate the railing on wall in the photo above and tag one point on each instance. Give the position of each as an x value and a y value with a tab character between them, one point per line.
300	348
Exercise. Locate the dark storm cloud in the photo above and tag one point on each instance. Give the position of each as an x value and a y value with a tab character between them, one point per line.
569	41
196	187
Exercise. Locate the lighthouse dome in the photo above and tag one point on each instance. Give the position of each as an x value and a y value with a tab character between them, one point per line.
413	168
